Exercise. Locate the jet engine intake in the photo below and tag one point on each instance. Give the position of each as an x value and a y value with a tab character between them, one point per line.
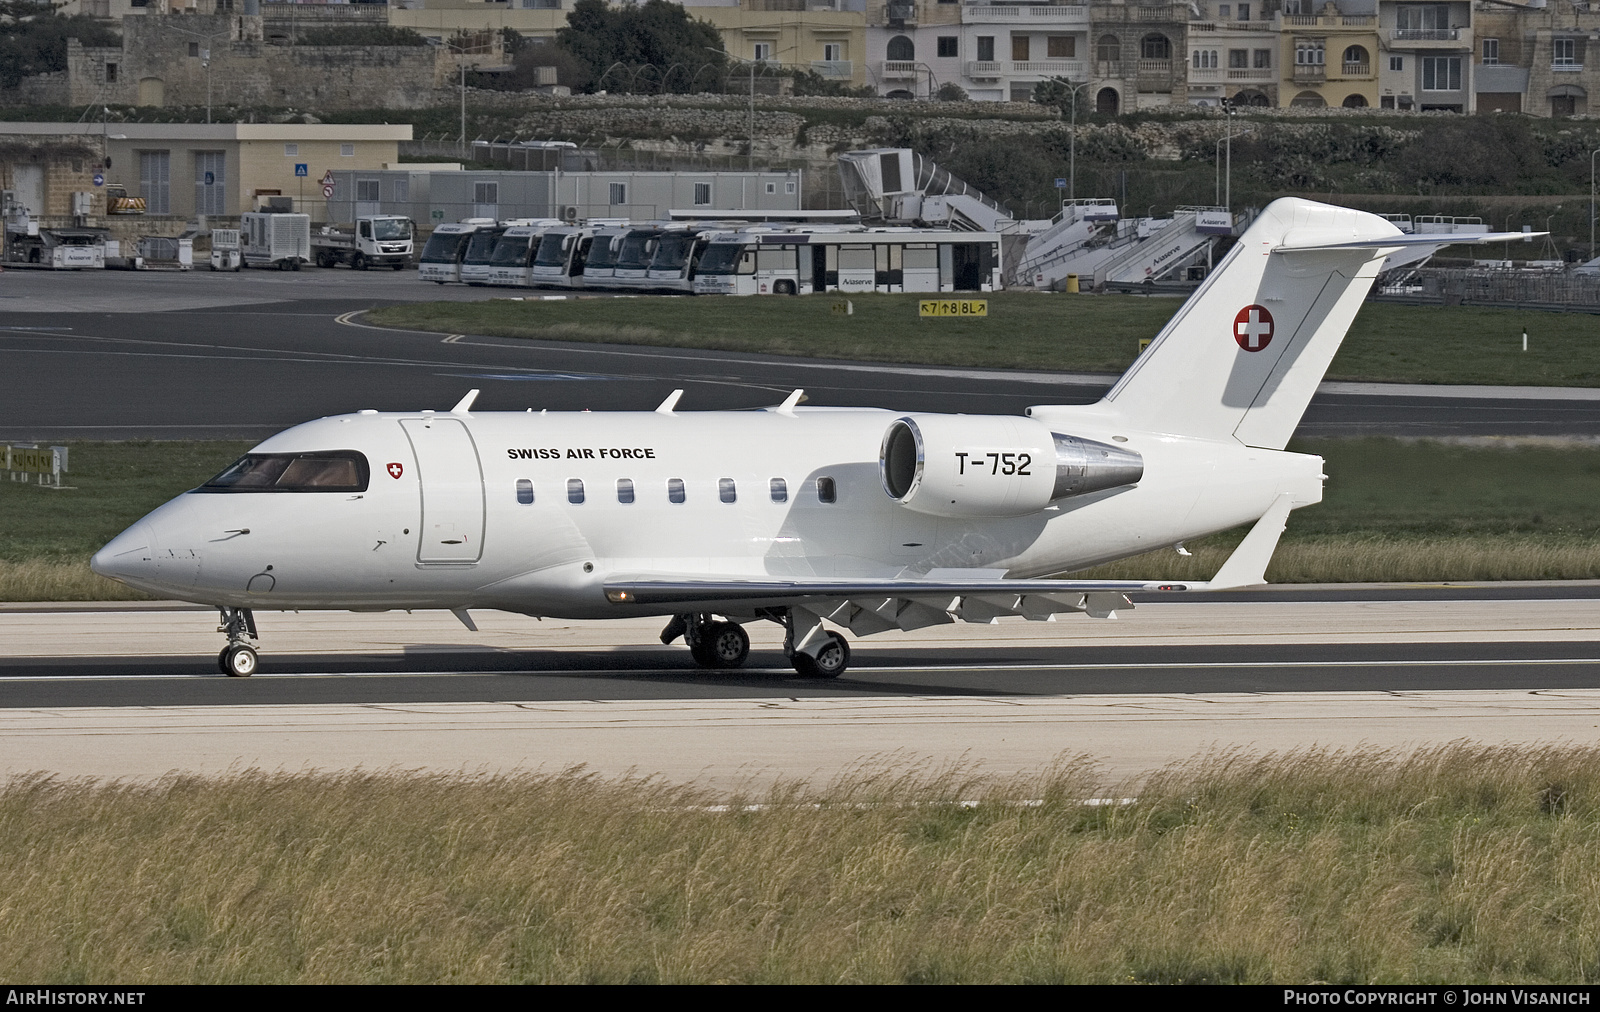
994	465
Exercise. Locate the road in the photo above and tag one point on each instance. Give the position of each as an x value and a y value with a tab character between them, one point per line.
225	356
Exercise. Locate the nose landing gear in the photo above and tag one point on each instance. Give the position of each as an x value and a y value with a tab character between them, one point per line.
238	659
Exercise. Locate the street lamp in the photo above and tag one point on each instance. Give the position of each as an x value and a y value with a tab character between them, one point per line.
1591	201
1216	159
1072	141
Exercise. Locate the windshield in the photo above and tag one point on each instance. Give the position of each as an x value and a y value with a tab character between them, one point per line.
673	252
604	251
329	471
636	250
391	228
721	258
444	248
510	251
481	247
552	250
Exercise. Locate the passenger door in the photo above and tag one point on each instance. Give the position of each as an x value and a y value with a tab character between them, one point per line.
451	480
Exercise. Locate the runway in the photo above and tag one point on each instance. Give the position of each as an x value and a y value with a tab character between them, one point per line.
120	691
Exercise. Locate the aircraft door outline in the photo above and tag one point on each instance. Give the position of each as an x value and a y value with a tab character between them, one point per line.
450	486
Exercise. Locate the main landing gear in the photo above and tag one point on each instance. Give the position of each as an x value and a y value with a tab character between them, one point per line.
238	659
721	644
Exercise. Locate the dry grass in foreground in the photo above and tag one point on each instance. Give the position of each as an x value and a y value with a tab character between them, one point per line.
52	580
1456	864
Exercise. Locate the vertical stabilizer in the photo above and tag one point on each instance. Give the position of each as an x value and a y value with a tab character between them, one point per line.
1242	358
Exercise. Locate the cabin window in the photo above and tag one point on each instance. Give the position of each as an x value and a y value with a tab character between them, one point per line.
726	490
525	491
329	471
624	490
575	490
826	491
780	490
675	490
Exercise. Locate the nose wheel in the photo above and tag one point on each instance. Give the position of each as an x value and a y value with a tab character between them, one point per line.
238	659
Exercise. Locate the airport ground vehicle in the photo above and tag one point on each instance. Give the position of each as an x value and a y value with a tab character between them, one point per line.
677	258
441	258
275	239
225	250
475	262
604	249
867	519
512	257
383	240
62	249
762	261
561	257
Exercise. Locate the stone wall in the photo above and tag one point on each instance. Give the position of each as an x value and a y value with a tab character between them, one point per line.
60	165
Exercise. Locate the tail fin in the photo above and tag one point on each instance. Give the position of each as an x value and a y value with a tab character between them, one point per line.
1243	356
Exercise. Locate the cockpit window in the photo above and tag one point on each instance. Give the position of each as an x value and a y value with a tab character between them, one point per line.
325	471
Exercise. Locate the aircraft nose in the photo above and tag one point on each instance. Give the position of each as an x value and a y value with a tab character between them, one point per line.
127	554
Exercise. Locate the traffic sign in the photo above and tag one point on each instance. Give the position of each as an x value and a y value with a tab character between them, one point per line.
99	180
327	178
211	178
1061	184
327	190
302	169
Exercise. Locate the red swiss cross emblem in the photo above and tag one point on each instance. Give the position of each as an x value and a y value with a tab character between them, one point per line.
395	470
1252	328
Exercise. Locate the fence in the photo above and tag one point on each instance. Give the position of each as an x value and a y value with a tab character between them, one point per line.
1554	289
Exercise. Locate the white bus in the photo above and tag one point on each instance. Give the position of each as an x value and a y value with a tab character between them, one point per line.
561	257
799	261
511	261
601	268
475	265
441	257
635	250
677	258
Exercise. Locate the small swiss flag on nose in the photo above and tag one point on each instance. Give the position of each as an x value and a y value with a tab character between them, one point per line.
395	470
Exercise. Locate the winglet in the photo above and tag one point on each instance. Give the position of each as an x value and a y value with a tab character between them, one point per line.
666	406
1247	566
787	407
465	404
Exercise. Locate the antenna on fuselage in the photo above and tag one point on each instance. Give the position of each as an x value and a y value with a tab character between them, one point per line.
787	407
666	406
465	404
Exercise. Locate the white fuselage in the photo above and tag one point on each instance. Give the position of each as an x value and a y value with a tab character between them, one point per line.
443	521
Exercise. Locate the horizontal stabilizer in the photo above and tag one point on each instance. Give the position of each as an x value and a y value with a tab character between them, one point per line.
1439	239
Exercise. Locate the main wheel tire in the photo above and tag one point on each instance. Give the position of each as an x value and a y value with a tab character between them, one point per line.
701	652
830	662
222	660
239	661
727	644
359	261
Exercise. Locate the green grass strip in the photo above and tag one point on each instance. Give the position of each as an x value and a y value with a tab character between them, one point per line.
1031	330
1460	863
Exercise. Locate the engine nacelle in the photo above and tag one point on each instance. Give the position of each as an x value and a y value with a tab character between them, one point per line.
994	465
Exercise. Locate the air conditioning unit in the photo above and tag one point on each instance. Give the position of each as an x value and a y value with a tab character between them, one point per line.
569	214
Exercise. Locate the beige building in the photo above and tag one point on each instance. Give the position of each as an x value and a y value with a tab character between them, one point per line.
187	169
1330	57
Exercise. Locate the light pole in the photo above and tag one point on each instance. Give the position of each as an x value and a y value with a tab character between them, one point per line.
1072	137
205	58
1591	201
1216	159
1227	192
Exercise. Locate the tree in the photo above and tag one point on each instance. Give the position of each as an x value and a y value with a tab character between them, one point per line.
657	35
33	40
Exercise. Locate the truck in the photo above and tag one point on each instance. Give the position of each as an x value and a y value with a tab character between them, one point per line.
382	240
276	239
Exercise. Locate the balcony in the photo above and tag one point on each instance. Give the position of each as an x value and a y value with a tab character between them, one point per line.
1232	26
1355	70
1154	75
898	70
1252	74
1310	73
898	14
1430	38
972	14
1072	69
1566	68
1204	74
839	70
983	70
1334	21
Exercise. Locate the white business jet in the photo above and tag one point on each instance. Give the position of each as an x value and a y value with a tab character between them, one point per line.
863	519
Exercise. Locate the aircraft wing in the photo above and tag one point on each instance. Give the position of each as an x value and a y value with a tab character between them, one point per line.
869	605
